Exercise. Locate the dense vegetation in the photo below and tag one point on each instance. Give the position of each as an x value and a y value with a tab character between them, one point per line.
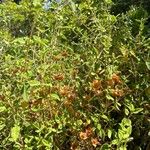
75	77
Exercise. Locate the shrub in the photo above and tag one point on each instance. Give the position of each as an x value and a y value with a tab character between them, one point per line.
73	77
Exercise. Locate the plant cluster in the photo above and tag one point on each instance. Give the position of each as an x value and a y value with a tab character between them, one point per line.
74	77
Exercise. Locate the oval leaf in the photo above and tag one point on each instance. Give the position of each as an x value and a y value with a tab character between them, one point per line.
15	132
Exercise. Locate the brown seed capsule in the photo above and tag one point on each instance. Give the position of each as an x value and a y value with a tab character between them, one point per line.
95	142
59	77
116	78
83	135
110	82
89	131
74	146
64	53
71	96
96	84
117	93
64	91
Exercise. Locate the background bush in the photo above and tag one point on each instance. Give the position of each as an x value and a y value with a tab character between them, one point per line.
75	76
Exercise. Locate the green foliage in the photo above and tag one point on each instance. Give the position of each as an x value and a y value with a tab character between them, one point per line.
74	77
15	131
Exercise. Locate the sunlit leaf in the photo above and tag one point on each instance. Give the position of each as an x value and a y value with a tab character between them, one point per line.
55	96
137	110
36	2
127	111
148	64
2	109
105	117
109	133
34	83
15	132
25	93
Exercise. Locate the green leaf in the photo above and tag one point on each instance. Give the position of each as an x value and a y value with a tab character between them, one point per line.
148	64
137	110
25	94
2	109
105	117
115	142
47	84
2	126
37	83
121	134
95	119
125	129
131	107
108	1
15	132
105	147
46	143
19	40
109	133
109	97
147	91
73	6
126	122
55	96
100	133
36	3
126	111
39	40
79	122
122	147
34	83
99	127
